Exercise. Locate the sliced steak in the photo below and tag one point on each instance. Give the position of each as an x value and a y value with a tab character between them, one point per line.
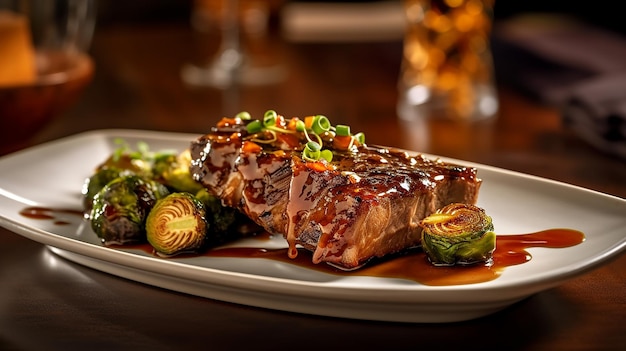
367	203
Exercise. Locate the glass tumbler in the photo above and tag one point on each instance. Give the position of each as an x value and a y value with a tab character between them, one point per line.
447	68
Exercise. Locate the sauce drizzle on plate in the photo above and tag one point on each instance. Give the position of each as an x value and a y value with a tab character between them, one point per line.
414	265
511	249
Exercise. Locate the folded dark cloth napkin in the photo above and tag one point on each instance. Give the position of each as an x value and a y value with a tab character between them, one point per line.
576	67
596	110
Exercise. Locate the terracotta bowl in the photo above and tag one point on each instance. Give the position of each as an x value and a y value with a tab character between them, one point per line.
27	109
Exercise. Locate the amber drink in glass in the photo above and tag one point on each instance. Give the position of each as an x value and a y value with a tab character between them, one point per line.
447	69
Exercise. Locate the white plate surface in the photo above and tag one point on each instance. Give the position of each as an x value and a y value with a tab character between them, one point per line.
52	174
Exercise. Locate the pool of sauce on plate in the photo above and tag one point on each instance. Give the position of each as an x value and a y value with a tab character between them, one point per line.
511	249
414	265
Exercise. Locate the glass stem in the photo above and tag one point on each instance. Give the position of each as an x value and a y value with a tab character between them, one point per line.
230	57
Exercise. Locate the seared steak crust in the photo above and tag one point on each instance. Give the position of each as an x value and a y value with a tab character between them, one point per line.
366	204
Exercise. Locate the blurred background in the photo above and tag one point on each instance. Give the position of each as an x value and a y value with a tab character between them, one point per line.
602	13
140	49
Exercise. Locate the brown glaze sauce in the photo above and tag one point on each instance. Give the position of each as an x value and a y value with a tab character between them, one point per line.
412	264
58	216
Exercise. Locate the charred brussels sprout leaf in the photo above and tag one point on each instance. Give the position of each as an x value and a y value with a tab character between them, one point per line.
120	209
458	234
177	224
173	171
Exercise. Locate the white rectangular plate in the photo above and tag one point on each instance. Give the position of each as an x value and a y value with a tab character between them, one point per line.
51	175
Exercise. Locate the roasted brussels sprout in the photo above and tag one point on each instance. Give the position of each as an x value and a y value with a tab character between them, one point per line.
120	195
458	234
97	181
173	171
121	162
120	209
226	223
177	224
222	218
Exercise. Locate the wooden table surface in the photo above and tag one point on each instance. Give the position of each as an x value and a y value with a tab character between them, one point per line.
48	303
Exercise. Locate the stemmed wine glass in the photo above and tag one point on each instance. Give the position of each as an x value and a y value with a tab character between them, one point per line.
243	27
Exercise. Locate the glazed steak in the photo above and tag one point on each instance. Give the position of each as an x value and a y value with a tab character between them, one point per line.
367	203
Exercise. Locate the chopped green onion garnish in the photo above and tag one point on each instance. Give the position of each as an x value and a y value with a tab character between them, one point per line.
254	126
300	126
244	115
270	117
342	130
313	149
313	146
321	124
310	155
327	155
360	137
269	121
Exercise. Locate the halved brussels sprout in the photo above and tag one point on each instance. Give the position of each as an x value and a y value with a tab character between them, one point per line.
120	209
177	224
458	234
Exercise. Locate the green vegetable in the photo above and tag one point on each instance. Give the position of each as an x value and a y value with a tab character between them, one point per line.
123	192
122	161
120	209
320	128
254	127
226	223
360	137
458	234
124	158
177	224
320	125
342	130
97	181
173	171
269	119
244	115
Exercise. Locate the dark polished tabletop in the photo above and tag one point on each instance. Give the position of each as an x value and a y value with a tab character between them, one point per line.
47	302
